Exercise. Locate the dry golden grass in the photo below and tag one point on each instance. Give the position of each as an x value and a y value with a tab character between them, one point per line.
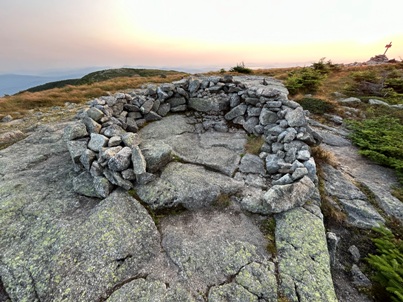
323	156
25	101
254	144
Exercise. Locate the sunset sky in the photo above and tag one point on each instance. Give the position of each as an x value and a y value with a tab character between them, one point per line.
41	35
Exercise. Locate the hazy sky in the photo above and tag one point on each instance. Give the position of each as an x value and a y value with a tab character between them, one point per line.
38	35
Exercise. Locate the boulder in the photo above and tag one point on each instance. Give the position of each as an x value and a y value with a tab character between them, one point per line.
304	272
252	164
156	154
121	160
75	131
281	198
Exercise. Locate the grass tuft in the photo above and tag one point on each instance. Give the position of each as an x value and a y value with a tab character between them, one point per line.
254	144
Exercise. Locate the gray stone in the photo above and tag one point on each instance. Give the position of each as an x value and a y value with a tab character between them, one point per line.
131	108
359	279
252	164
304	272
236	111
102	186
147	106
214	104
131	140
286	197
152	116
7	118
121	160
338	120
156	154
164	109
234	100
377	102
162	95
113	130
252	100
291	155
252	201
267	117
193	86
117	179
145	178
92	126
131	125
96	169
277	147
76	149
179	108
310	165
274	104
114	141
128	174
284	180
83	185
351	100
299	173
361	214
86	159
250	124
97	142
272	165
332	243
355	253
107	153
296	117
74	131
303	155
182	92
175	102
139	163
95	114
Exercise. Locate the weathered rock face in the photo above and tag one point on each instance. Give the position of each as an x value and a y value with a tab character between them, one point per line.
360	212
303	257
103	245
69	248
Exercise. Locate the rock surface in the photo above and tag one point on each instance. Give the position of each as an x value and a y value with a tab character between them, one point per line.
58	245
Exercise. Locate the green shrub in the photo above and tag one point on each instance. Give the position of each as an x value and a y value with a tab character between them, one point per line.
316	106
325	67
388	263
240	68
381	140
304	80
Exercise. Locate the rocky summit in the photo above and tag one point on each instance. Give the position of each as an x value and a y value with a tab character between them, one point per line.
154	195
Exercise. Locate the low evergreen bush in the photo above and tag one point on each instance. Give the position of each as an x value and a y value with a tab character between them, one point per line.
381	140
388	263
304	80
315	105
240	68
